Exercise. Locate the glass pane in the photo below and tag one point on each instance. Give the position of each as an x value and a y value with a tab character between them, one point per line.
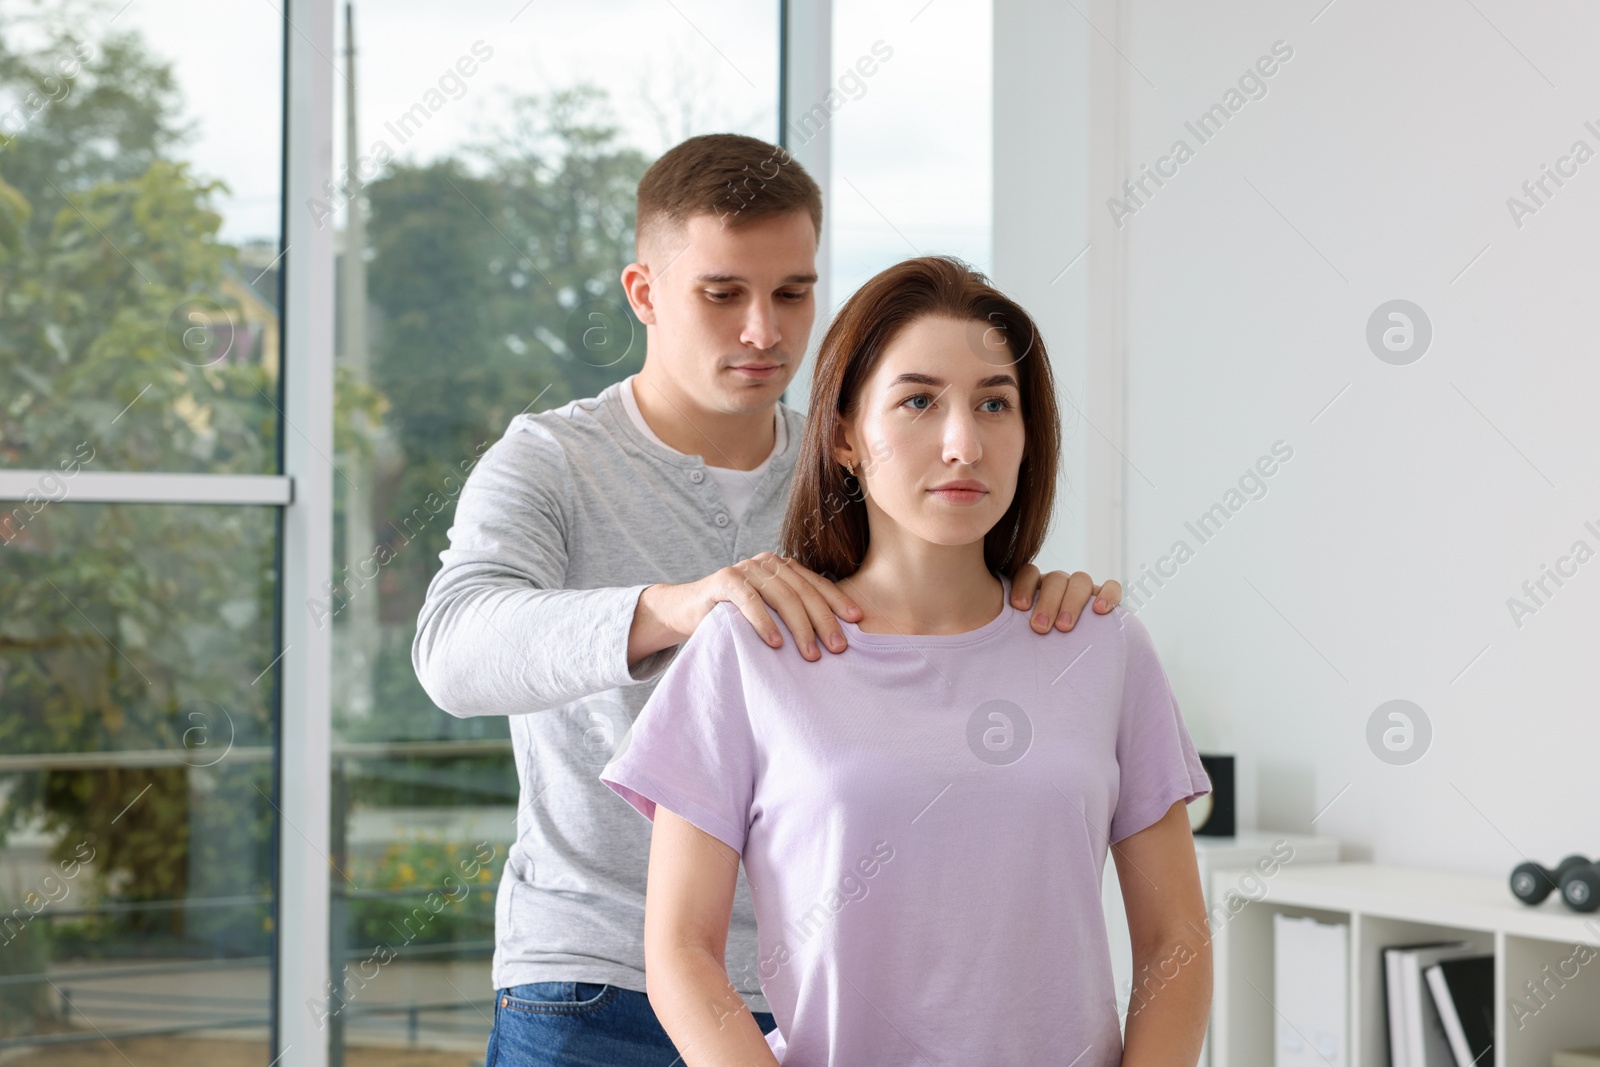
136	741
140	163
926	190
498	153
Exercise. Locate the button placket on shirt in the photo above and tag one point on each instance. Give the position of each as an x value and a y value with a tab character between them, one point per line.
721	518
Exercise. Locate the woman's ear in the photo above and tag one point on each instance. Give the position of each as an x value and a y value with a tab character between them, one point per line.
843	449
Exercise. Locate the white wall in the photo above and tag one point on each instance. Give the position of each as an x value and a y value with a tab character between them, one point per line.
1419	497
1040	230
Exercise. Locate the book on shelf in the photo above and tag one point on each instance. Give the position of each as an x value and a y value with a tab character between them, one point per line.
1463	992
1417	1036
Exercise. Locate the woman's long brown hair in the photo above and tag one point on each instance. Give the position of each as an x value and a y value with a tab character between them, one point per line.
825	527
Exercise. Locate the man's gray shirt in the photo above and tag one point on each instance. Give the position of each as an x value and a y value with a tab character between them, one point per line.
560	526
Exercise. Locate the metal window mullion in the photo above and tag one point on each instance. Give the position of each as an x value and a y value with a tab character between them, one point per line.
302	771
42	487
805	43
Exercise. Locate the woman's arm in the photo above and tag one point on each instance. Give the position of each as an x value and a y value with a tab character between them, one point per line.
1171	1000
688	903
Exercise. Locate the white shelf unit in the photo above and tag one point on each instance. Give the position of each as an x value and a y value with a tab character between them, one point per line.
1386	905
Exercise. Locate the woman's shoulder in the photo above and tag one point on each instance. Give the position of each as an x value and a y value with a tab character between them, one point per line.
709	656
1100	638
747	650
726	619
717	626
726	628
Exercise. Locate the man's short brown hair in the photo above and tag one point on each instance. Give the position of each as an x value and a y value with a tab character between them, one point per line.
736	178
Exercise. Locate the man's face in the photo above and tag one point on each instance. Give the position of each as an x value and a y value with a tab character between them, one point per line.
728	309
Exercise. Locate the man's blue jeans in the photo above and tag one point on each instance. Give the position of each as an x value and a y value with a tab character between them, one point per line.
581	1024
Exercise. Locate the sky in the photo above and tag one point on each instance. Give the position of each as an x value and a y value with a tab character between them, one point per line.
911	142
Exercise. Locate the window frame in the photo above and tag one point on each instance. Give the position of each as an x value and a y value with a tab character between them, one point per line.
302	491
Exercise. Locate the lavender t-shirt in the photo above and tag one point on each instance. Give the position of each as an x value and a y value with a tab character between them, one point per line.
924	823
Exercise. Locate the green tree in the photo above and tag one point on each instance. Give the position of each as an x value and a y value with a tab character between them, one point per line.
127	626
126	622
494	276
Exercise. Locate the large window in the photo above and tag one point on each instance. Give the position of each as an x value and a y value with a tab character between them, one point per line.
492	223
923	71
140	191
238	395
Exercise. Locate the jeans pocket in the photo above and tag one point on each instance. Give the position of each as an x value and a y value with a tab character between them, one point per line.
557	998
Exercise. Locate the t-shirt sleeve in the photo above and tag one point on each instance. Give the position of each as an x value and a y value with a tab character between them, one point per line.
1157	760
692	750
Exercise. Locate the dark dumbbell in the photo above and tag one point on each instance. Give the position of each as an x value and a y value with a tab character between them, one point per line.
1531	882
1580	887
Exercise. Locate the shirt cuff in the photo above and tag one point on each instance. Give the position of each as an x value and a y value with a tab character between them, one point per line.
651	666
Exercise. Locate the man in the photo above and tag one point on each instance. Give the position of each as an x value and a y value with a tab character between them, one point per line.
588	544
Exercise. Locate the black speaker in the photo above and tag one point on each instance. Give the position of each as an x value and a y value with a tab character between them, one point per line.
1212	814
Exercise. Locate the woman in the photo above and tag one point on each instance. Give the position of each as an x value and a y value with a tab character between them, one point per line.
923	823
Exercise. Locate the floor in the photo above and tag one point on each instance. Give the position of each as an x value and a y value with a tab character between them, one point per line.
201	1052
450	1029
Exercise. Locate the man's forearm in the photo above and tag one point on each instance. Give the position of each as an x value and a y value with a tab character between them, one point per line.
703	1014
486	647
650	632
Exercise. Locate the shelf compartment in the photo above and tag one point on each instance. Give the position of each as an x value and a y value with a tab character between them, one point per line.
1563	1008
1396	905
1243	1018
1370	935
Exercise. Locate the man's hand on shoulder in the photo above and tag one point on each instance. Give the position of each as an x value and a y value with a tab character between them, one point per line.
1062	597
809	604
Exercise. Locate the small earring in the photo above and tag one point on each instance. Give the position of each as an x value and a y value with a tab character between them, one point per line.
850	468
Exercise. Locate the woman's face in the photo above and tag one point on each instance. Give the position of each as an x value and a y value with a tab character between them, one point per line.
942	406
